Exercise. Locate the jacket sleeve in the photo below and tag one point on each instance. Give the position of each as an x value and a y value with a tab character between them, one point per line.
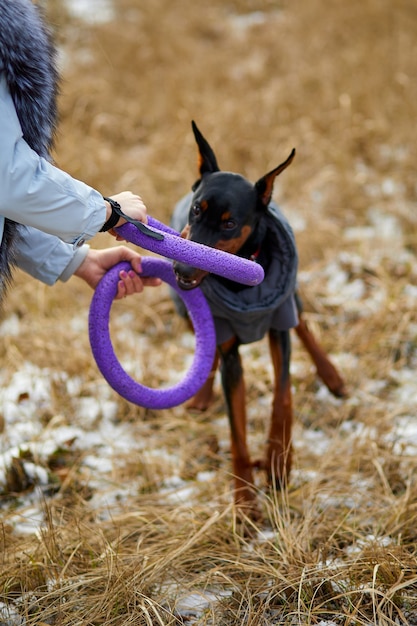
46	257
36	193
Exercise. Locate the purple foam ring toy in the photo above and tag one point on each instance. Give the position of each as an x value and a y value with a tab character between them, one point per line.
168	243
113	372
198	255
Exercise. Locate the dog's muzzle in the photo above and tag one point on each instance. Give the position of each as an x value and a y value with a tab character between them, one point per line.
188	277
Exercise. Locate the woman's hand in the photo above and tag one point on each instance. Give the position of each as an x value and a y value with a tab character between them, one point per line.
98	262
132	205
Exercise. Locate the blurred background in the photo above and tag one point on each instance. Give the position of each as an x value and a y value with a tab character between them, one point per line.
337	81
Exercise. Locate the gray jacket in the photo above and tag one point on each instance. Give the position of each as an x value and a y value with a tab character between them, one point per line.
40	196
45	215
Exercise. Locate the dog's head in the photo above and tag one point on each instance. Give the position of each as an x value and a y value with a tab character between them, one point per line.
225	208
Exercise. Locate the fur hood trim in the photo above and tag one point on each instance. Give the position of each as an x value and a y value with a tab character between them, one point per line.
28	59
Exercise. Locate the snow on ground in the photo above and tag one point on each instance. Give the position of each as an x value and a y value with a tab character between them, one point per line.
27	394
91	11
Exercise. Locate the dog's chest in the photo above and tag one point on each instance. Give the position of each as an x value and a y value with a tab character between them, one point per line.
249	312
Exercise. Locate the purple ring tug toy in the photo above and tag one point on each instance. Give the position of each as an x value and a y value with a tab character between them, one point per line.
171	245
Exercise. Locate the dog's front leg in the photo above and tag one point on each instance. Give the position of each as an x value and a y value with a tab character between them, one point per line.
278	458
234	391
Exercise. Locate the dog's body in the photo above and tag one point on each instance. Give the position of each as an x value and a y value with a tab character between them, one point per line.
250	312
227	212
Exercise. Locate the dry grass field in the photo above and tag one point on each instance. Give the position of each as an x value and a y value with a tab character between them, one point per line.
116	515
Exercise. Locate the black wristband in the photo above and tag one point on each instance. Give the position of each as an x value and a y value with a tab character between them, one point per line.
116	211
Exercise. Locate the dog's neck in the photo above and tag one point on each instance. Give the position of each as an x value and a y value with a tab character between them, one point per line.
252	248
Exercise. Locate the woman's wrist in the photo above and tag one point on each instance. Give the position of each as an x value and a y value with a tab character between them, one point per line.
113	214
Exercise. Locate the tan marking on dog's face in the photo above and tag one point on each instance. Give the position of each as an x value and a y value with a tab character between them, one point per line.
233	245
185	233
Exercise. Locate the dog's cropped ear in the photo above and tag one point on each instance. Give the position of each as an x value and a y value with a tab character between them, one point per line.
265	185
207	162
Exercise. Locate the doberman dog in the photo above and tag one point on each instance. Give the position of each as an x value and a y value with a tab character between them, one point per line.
225	211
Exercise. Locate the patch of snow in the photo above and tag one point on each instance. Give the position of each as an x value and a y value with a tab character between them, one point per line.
9	616
199	601
92	11
10	327
28	521
404	436
36	473
241	23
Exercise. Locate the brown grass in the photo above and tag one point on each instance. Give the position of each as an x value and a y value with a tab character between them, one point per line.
336	80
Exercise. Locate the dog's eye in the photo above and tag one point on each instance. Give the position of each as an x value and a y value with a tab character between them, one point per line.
196	210
228	224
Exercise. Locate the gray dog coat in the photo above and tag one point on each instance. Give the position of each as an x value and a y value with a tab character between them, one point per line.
252	311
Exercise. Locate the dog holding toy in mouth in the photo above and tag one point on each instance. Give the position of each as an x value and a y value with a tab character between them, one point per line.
225	211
